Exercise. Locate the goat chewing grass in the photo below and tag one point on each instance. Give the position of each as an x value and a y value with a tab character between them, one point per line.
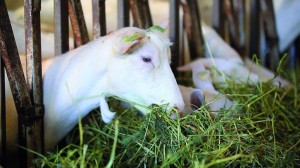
265	133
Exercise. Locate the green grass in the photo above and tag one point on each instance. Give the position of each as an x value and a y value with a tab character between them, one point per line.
265	133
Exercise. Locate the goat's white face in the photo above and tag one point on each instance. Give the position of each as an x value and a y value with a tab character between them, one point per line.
141	72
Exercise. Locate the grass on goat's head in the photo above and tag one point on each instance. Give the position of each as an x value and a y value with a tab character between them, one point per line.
264	134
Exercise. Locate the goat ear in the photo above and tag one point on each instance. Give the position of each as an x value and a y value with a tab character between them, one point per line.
128	41
125	47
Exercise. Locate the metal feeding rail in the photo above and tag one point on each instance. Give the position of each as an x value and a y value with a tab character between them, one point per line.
230	15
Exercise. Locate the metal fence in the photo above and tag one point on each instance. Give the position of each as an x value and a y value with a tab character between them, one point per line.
27	94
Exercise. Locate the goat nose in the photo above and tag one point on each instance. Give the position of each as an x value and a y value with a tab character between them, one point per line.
197	99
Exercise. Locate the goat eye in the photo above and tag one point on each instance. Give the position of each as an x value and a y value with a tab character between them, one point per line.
147	59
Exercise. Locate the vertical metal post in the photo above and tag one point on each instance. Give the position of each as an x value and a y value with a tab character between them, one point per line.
147	14
78	23
267	9
234	10
99	19
3	115
174	34
230	15
138	17
238	12
218	21
35	125
141	13
11	60
123	13
193	28
294	53
61	16
254	35
231	22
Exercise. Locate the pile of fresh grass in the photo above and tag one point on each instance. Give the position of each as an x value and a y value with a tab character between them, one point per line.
264	133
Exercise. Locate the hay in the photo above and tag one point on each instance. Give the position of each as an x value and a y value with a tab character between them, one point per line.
264	133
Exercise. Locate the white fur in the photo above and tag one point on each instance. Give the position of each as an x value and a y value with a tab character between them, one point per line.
78	81
202	80
223	63
287	21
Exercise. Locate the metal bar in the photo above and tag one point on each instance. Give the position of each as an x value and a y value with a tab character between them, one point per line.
35	135
123	13
96	18
11	60
272	57
239	9
99	18
102	18
218	22
3	115
193	28
183	54
78	23
138	19
35	126
229	15
61	26
254	34
174	34
235	14
147	14
141	13
187	27
294	53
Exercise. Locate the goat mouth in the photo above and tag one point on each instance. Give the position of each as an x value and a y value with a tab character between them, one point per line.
172	111
175	113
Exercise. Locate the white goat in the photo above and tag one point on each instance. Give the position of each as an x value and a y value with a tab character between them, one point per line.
223	63
137	70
